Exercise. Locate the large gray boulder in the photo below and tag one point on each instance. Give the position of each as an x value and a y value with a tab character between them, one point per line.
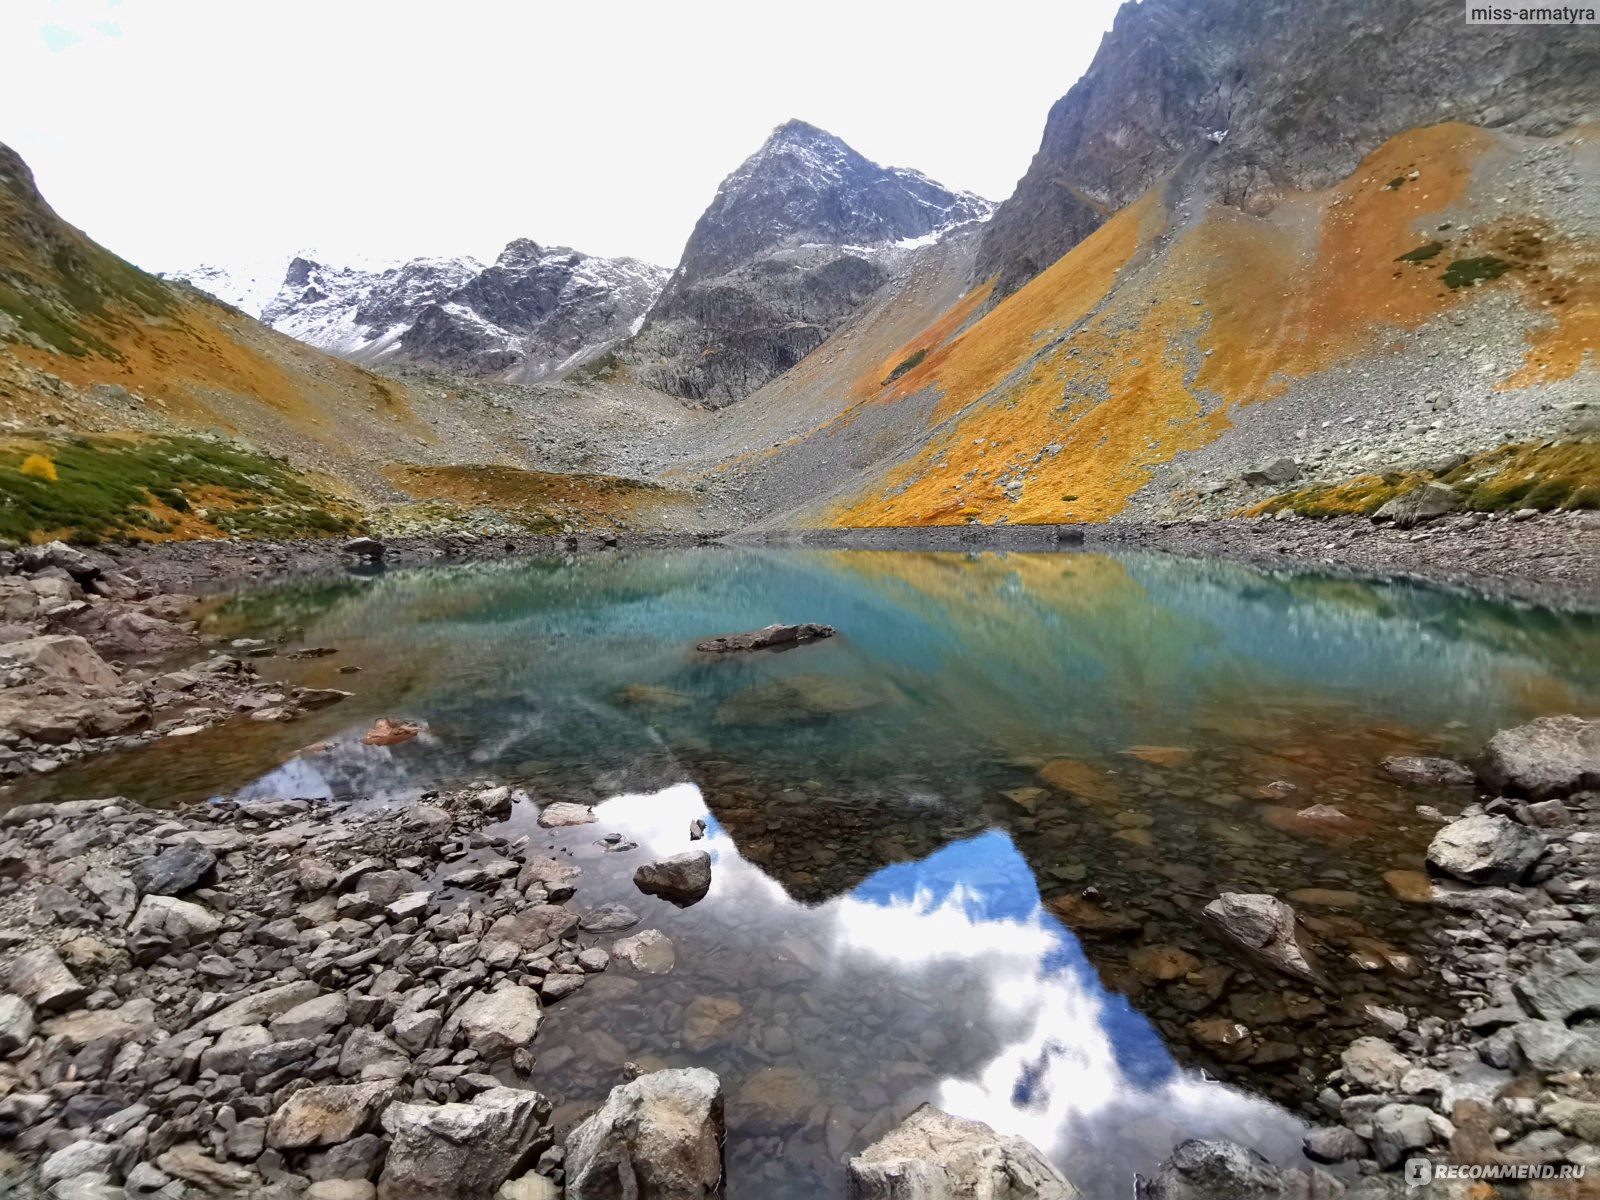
656	1138
1548	757
934	1156
1427	772
683	878
1264	927
1485	849
57	658
462	1151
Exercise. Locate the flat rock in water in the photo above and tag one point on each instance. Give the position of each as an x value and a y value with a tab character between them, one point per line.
563	813
767	638
649	951
932	1155
795	698
1549	757
608	918
1427	772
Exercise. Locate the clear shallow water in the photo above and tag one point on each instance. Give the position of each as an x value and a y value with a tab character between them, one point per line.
904	816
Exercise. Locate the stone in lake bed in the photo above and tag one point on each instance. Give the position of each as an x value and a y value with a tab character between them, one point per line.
650	952
707	1020
1414	887
766	638
563	814
1420	771
796	698
388	732
608	918
684	879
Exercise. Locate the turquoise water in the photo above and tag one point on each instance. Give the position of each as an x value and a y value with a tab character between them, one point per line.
905	817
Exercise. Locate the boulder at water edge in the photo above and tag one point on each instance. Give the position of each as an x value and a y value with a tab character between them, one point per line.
1549	757
1485	849
656	1138
462	1151
934	1156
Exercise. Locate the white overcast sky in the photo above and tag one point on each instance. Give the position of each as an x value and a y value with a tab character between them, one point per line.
238	131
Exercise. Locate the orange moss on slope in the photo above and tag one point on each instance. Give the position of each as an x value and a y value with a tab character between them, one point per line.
1059	404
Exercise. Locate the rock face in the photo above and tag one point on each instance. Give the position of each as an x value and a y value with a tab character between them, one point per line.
656	1138
683	879
1243	97
1265	928
1546	758
794	242
1485	849
461	1151
535	312
934	1156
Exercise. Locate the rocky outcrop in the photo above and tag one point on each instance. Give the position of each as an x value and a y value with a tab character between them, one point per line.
932	1155
795	241
1246	99
656	1138
1212	1170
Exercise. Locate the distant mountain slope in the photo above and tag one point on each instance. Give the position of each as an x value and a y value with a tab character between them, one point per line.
794	242
1254	99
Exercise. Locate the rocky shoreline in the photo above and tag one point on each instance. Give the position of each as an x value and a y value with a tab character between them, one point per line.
337	1001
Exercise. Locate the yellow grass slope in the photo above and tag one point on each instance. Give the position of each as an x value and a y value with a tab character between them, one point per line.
1061	402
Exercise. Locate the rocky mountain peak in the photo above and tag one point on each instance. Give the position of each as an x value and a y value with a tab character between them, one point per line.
805	185
519	254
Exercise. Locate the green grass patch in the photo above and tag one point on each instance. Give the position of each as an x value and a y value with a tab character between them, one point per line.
910	363
112	488
1469	272
1422	253
44	322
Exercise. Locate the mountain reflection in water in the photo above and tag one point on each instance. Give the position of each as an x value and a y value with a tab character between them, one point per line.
1065	1063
